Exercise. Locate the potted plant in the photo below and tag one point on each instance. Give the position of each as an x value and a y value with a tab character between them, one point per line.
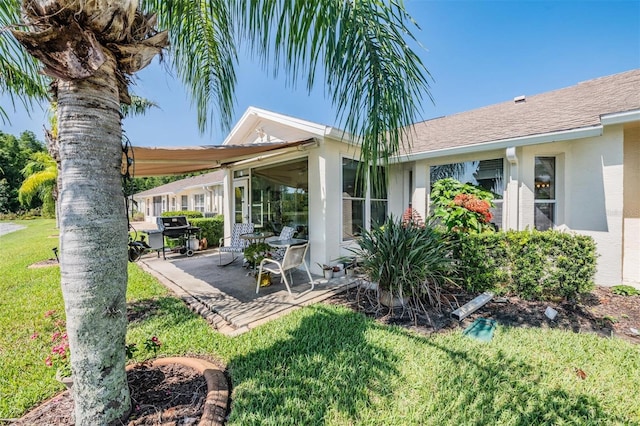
254	253
327	271
407	261
348	263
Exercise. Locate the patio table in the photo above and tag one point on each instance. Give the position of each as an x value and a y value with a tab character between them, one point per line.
286	243
256	237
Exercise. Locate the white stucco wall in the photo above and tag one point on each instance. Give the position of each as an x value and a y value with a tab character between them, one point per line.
589	193
631	212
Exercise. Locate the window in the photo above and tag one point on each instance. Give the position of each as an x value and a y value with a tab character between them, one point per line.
485	173
184	202
280	197
545	193
173	204
362	205
198	202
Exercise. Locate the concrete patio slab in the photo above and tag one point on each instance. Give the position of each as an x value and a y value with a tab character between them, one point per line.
226	296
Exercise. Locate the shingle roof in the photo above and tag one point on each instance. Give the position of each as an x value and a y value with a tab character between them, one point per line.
574	107
182	184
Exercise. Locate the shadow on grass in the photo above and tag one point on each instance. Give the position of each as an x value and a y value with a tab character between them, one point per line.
325	368
168	307
494	388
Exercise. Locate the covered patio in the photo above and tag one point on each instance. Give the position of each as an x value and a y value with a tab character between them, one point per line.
226	297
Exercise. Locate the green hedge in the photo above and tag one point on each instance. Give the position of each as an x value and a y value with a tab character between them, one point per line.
188	213
530	264
211	228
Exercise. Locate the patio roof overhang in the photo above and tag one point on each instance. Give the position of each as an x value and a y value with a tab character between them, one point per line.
162	161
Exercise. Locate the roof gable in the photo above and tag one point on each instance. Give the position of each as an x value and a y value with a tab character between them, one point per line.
261	126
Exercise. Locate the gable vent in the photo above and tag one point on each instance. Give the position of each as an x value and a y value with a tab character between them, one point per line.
519	99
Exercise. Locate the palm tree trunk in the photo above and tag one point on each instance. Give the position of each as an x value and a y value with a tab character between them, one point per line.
93	242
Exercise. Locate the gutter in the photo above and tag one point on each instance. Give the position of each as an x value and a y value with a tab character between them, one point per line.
620	117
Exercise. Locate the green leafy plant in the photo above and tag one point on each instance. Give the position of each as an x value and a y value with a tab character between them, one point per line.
408	260
255	252
190	214
462	207
625	290
530	264
151	344
211	228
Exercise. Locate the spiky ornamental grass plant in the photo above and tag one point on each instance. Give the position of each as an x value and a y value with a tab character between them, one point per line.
410	261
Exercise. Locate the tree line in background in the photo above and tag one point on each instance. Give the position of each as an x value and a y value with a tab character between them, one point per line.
18	155
28	177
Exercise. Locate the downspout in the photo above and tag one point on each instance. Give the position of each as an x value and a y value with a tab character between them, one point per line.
513	191
210	191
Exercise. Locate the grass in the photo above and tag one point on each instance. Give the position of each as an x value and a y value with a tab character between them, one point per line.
328	365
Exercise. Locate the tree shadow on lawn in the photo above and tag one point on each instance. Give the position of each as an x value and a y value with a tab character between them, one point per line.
170	309
494	388
324	368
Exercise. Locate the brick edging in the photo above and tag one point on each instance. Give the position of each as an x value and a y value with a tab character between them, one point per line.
215	405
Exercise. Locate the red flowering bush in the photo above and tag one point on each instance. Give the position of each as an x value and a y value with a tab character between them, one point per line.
473	204
462	207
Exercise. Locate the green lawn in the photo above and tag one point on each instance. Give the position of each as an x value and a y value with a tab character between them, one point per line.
328	365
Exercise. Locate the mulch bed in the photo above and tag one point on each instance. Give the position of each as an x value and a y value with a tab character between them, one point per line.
45	263
171	395
601	312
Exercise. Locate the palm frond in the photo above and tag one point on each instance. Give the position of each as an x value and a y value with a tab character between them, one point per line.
373	77
38	162
138	106
19	77
203	53
38	185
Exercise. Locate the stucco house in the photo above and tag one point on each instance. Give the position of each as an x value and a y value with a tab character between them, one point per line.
201	193
566	159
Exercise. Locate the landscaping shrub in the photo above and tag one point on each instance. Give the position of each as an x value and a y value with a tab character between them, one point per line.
530	264
408	260
625	290
211	228
190	214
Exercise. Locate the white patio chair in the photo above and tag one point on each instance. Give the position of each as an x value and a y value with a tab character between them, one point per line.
286	233
293	257
237	244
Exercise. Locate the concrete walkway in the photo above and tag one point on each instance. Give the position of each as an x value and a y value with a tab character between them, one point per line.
225	296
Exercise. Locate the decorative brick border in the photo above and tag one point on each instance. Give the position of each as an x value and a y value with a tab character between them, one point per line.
215	406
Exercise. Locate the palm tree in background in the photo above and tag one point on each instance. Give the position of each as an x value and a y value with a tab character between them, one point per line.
40	174
90	49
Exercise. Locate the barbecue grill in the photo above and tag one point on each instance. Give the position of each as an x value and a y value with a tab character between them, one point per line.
177	227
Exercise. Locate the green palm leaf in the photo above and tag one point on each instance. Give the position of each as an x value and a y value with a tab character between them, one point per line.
19	77
203	53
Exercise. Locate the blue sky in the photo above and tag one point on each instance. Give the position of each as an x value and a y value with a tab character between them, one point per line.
478	52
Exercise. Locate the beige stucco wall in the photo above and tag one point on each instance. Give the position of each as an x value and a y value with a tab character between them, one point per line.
631	209
589	193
